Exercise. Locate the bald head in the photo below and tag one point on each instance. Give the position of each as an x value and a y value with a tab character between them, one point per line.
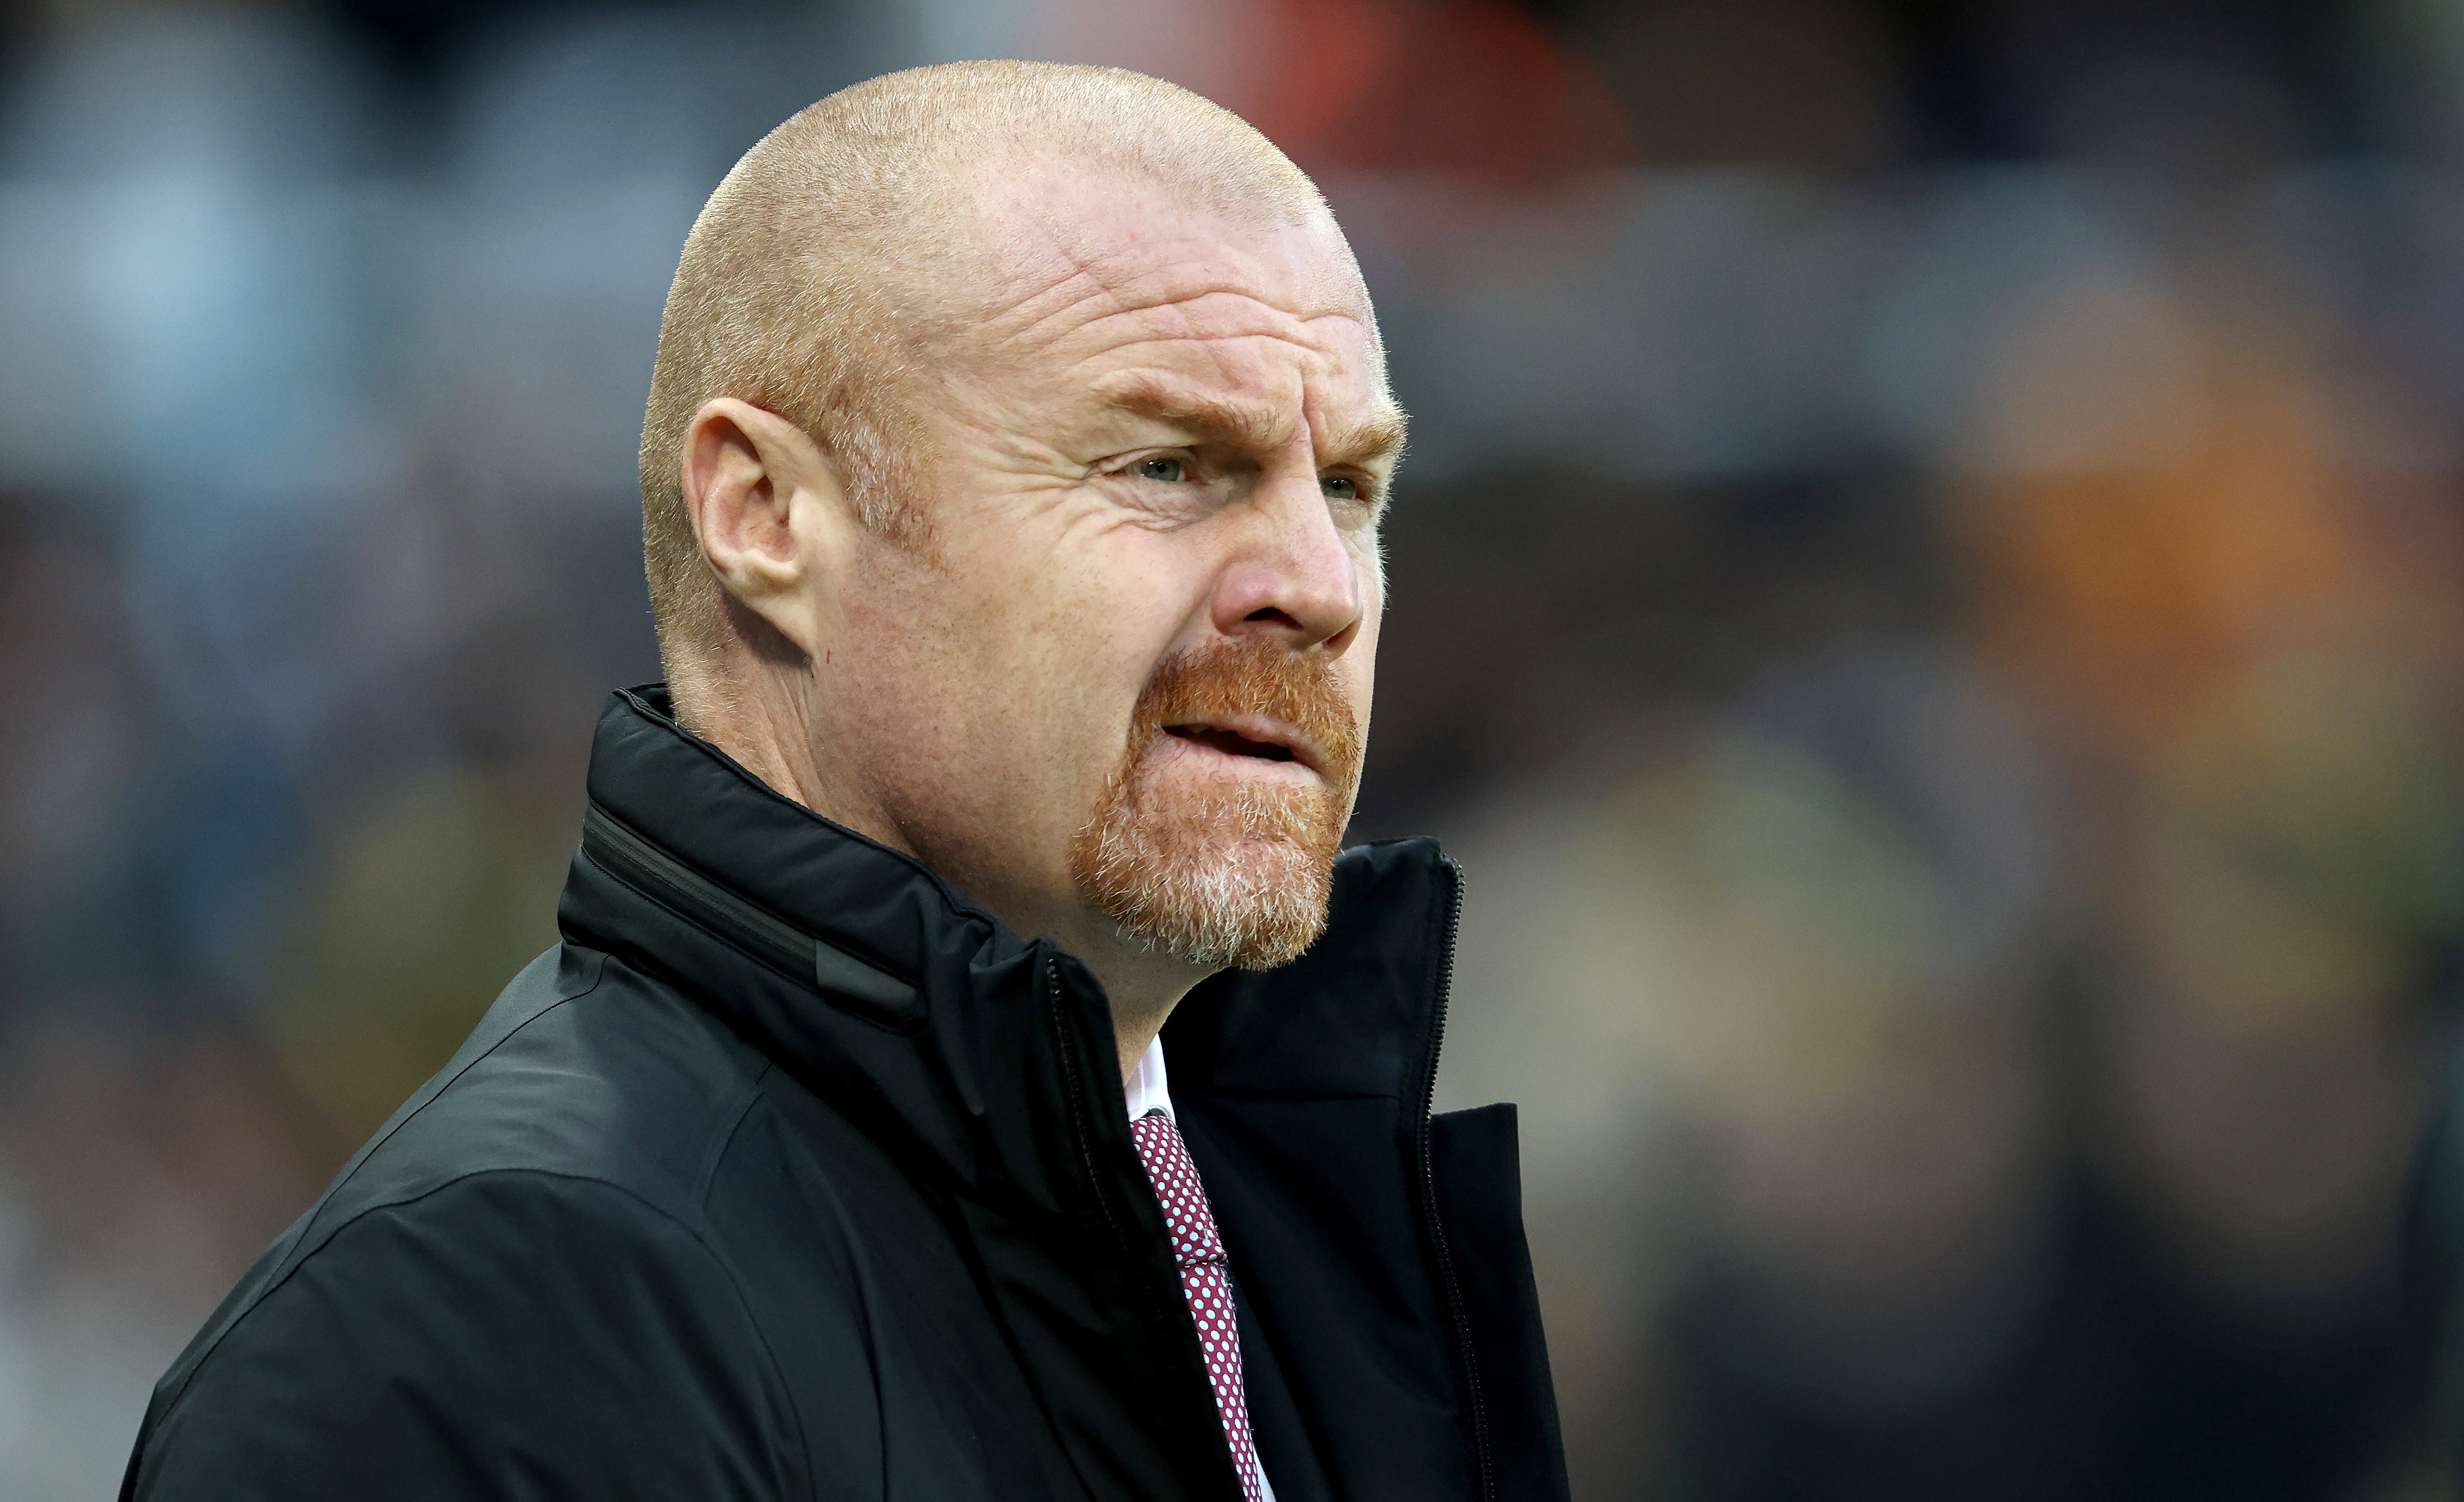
841	259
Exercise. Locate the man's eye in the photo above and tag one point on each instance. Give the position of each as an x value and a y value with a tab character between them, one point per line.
1338	486
1170	471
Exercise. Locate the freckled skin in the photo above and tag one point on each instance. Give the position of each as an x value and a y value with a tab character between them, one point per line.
968	706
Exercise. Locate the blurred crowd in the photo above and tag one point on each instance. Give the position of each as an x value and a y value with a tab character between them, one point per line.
1928	596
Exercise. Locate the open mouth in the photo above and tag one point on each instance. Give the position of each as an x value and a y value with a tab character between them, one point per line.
1231	742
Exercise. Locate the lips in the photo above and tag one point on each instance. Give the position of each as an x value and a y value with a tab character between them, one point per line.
1231	742
1249	708
1257	736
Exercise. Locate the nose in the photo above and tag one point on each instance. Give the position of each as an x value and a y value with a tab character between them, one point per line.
1292	573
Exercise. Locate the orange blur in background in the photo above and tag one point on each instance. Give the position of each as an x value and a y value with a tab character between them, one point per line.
1928	598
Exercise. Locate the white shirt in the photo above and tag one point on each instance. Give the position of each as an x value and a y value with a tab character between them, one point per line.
1148	1088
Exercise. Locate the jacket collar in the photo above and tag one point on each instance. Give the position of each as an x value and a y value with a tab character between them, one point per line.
863	973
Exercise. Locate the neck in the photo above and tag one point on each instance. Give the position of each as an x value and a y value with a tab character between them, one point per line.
1143	985
761	719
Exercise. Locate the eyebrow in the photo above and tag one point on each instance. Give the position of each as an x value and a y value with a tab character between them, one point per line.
1257	428
1372	438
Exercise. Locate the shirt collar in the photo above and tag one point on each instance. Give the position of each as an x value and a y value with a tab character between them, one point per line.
1146	1088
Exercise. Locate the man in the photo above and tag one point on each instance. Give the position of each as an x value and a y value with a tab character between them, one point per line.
1012	481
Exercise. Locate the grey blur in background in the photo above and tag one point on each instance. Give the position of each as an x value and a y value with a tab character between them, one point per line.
1928	596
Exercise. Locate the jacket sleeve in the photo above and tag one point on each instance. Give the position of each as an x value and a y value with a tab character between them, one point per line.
512	1335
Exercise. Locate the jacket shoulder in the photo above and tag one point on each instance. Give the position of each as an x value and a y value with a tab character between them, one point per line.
514	1332
576	1129
583	1070
584	1067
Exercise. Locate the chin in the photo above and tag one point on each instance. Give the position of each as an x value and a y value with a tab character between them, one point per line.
1256	908
1215	898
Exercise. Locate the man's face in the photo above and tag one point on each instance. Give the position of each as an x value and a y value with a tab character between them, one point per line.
1126	688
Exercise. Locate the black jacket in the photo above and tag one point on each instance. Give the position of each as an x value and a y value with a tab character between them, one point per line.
792	1173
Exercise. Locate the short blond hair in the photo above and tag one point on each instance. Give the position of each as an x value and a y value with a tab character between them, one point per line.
815	283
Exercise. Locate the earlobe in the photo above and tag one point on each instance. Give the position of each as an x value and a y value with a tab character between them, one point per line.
764	506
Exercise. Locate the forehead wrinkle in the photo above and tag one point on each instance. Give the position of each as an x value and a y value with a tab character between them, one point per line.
1232	336
1182	302
1127	302
1124	263
1324	358
1102	279
1075	273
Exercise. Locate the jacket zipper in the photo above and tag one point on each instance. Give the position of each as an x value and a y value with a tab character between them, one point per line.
861	988
1483	1468
1074	1087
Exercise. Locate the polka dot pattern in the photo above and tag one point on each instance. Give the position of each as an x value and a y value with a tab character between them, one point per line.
1205	1280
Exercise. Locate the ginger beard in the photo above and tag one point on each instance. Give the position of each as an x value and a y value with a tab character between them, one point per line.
1208	863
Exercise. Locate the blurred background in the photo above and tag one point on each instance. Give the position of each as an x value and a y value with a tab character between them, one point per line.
1930	599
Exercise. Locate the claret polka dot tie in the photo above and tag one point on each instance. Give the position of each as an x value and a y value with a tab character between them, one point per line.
1205	1279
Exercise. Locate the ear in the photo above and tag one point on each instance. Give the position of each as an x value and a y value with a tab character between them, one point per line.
768	512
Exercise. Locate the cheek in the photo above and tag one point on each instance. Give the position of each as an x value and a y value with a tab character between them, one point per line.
1373	612
1066	642
897	689
1360	669
1135	592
